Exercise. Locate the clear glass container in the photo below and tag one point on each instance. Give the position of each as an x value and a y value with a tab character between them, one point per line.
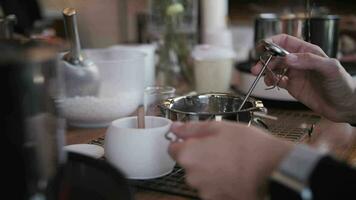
173	24
153	96
183	14
120	91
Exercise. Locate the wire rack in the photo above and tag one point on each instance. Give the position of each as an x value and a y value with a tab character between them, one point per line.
291	125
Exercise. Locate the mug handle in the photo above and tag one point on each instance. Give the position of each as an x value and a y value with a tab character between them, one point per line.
171	137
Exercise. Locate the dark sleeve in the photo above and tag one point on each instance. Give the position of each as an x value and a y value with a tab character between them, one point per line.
332	179
26	11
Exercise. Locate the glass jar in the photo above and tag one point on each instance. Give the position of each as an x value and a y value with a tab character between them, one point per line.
153	97
120	92
173	25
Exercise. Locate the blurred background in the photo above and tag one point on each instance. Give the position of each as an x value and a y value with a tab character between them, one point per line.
236	25
169	31
108	22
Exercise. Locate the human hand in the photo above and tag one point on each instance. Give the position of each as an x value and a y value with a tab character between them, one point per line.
225	160
336	139
316	80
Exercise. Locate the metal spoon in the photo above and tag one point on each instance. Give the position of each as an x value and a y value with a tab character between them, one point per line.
81	74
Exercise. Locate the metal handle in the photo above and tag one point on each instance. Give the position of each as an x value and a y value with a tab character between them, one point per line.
70	20
7	26
255	82
274	49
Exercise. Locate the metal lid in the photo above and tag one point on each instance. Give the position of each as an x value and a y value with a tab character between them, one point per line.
273	48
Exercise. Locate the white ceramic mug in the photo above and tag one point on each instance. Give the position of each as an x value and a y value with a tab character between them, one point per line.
139	153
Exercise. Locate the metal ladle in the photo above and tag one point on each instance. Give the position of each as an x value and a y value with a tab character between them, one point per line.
81	74
273	50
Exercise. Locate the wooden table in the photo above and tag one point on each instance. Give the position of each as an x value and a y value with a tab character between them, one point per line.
343	145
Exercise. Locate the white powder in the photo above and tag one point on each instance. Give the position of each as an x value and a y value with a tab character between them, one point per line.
98	112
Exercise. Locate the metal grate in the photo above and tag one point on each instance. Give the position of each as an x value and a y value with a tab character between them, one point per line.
173	183
294	126
291	125
99	141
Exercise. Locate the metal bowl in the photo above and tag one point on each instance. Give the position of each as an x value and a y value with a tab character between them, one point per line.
210	106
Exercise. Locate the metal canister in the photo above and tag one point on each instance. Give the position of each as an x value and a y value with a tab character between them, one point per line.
324	32
321	30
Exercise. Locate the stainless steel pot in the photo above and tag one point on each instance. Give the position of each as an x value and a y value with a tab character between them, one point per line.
211	106
323	30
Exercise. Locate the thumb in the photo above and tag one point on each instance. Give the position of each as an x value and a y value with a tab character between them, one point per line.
309	61
193	129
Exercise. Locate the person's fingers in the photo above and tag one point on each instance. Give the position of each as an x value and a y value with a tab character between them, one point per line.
175	148
301	61
283	83
348	58
275	63
296	45
193	129
309	61
269	78
255	70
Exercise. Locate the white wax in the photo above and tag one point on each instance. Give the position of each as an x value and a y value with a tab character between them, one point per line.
220	38
214	15
211	52
212	68
213	75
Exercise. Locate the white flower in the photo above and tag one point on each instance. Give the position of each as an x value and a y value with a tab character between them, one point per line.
174	9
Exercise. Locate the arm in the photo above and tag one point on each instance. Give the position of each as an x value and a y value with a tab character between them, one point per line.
308	173
317	81
333	179
226	160
232	161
